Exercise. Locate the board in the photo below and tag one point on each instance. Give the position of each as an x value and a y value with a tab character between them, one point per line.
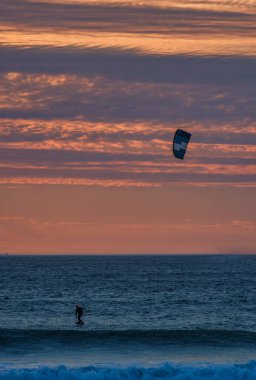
79	323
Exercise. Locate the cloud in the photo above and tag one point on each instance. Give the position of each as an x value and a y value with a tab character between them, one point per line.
124	18
118	169
122	154
107	114
90	97
129	65
100	98
173	28
147	136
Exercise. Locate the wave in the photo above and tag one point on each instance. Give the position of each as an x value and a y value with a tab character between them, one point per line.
147	337
164	372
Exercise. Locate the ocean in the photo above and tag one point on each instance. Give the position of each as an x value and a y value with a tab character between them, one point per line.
149	317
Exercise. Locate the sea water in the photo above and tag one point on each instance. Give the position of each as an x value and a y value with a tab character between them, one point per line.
146	317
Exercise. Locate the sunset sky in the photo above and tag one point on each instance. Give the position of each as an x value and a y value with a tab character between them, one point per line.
91	93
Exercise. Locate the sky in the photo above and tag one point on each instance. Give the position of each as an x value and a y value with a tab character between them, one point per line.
91	94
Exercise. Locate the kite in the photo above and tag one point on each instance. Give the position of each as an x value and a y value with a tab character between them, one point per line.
180	143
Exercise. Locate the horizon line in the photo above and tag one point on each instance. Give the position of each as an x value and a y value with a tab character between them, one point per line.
129	254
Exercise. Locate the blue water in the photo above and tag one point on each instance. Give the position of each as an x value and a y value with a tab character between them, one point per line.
164	317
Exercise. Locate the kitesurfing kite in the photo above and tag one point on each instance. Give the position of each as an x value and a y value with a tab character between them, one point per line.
180	142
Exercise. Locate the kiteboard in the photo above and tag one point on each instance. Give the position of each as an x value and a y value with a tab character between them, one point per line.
79	323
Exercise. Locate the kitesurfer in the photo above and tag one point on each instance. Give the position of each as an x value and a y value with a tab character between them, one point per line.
79	314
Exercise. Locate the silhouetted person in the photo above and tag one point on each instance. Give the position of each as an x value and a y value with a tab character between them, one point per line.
79	314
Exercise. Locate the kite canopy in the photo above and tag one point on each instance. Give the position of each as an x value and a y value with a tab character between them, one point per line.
180	142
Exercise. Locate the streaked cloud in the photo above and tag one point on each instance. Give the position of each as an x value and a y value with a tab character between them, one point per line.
105	98
171	28
121	154
91	94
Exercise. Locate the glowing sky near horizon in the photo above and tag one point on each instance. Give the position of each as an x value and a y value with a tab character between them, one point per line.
91	94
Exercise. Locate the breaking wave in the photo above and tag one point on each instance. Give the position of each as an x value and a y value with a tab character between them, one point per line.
163	372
